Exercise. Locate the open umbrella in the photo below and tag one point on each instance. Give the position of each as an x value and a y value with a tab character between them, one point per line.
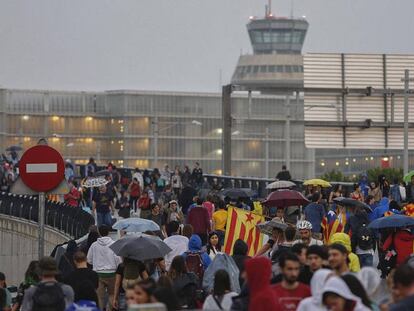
393	221
348	202
136	225
317	182
94	182
407	177
281	184
14	148
284	198
268	226
140	248
236	193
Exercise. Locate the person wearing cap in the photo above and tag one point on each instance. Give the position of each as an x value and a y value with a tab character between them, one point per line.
305	230
48	271
8	299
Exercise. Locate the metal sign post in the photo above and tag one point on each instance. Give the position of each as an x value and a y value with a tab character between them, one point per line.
41	222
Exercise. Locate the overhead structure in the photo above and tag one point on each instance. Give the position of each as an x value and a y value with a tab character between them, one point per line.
356	101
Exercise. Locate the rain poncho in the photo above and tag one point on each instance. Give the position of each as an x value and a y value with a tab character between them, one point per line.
314	303
345	240
375	287
178	244
225	262
262	297
337	286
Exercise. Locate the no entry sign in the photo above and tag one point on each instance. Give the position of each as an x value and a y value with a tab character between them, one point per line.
42	168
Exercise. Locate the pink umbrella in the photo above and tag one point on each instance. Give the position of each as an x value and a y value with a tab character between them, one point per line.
285	198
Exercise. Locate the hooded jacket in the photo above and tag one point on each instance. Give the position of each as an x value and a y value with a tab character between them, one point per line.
101	257
337	286
314	303
403	243
194	246
262	296
345	240
380	210
178	244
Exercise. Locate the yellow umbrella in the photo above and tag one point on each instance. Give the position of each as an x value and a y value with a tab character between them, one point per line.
317	182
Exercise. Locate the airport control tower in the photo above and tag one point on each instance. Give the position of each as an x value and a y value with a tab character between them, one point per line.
277	60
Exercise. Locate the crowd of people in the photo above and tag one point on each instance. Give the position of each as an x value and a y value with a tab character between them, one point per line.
321	256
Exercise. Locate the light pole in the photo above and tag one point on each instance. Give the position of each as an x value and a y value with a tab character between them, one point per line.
406	96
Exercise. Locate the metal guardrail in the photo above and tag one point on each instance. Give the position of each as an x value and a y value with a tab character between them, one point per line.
72	221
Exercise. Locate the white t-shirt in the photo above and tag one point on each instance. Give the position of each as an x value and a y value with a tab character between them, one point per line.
226	302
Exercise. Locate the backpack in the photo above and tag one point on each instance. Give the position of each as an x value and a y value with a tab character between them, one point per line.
195	264
48	297
365	241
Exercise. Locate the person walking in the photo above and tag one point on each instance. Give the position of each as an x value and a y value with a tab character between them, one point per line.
240	250
338	259
314	213
198	218
8	299
82	278
104	262
66	264
314	303
403	290
219	220
197	175
102	206
48	294
134	190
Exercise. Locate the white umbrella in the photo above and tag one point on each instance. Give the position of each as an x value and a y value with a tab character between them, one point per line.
280	184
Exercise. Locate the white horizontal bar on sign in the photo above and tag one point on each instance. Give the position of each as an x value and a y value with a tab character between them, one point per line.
41	168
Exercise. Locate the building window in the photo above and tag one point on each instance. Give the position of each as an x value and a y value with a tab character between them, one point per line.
279	68
272	68
255	69
288	68
263	68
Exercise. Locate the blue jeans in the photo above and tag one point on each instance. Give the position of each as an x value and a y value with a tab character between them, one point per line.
104	219
366	260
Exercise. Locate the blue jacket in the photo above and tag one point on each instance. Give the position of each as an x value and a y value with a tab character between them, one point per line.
380	210
194	245
83	305
314	213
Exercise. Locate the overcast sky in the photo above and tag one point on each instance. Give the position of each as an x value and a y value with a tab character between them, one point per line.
175	45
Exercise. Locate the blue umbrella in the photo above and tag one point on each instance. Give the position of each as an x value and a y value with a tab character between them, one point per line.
136	225
393	221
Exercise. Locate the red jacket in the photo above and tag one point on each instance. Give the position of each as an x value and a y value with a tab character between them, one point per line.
403	243
262	297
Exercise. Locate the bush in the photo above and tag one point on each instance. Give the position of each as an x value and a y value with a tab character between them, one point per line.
335	175
390	174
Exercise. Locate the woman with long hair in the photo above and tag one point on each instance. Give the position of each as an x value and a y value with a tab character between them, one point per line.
66	263
213	245
221	298
358	290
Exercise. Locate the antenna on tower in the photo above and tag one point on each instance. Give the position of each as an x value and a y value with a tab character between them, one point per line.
292	8
268	9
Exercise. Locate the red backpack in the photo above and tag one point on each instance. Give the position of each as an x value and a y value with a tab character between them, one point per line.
195	264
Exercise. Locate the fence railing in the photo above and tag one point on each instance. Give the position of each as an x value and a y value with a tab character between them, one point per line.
72	221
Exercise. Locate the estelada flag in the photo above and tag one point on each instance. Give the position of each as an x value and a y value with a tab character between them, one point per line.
241	224
330	228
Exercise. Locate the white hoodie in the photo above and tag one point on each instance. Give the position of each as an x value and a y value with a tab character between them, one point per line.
101	257
338	286
314	303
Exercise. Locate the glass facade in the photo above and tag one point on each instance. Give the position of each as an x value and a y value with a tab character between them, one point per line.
149	129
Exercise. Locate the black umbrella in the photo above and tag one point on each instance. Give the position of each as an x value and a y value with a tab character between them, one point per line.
103	173
14	148
236	193
140	248
348	202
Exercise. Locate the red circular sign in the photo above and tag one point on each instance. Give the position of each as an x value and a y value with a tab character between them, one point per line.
42	168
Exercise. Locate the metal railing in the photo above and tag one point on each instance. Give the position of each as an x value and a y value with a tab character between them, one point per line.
72	221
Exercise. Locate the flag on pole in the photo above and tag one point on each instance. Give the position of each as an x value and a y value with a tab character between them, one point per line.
241	224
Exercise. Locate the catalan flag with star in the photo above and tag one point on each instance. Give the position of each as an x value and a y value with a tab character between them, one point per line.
241	224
